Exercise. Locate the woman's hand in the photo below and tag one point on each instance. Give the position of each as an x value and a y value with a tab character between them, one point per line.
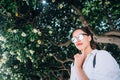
78	60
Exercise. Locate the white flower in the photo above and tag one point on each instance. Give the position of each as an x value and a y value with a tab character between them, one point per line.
15	67
2	38
50	54
49	27
9	30
4	55
39	33
50	32
19	59
3	60
25	48
37	45
32	51
0	65
3	46
32	40
34	30
23	34
53	1
39	41
61	6
18	53
43	60
15	31
27	55
8	69
12	53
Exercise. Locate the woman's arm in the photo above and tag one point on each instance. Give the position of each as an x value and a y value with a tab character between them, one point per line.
78	62
81	74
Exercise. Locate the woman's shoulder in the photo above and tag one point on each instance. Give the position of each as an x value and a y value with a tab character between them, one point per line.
103	53
105	57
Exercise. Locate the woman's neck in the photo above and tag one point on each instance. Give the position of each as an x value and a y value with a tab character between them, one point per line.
86	51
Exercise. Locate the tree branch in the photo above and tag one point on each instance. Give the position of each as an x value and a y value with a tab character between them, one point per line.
62	62
81	17
111	33
65	44
106	39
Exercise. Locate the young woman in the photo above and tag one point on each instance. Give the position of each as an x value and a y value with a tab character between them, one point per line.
91	64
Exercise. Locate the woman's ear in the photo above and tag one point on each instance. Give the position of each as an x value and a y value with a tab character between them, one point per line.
89	38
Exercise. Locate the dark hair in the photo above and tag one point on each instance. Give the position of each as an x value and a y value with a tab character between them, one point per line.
89	33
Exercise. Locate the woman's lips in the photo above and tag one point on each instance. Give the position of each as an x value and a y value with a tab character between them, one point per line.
79	44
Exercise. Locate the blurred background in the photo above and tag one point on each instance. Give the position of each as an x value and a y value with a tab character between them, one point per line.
35	35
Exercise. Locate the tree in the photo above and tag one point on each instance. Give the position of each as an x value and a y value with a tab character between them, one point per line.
35	35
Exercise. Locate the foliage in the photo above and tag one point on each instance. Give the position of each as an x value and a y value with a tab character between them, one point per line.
30	34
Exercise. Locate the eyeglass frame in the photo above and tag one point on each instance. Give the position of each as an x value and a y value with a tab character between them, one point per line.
77	38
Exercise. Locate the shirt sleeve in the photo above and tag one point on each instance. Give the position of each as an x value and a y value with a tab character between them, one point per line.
72	75
106	67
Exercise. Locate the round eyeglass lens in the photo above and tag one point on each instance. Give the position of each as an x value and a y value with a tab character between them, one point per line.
80	37
73	40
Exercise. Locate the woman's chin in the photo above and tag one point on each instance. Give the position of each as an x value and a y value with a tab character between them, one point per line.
80	48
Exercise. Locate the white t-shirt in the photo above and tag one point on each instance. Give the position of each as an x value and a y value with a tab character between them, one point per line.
106	67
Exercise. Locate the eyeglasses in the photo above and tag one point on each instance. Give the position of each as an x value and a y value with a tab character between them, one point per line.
80	37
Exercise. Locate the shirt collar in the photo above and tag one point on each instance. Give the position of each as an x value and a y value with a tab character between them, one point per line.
93	52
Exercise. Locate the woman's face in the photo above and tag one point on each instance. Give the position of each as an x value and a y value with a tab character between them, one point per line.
81	39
